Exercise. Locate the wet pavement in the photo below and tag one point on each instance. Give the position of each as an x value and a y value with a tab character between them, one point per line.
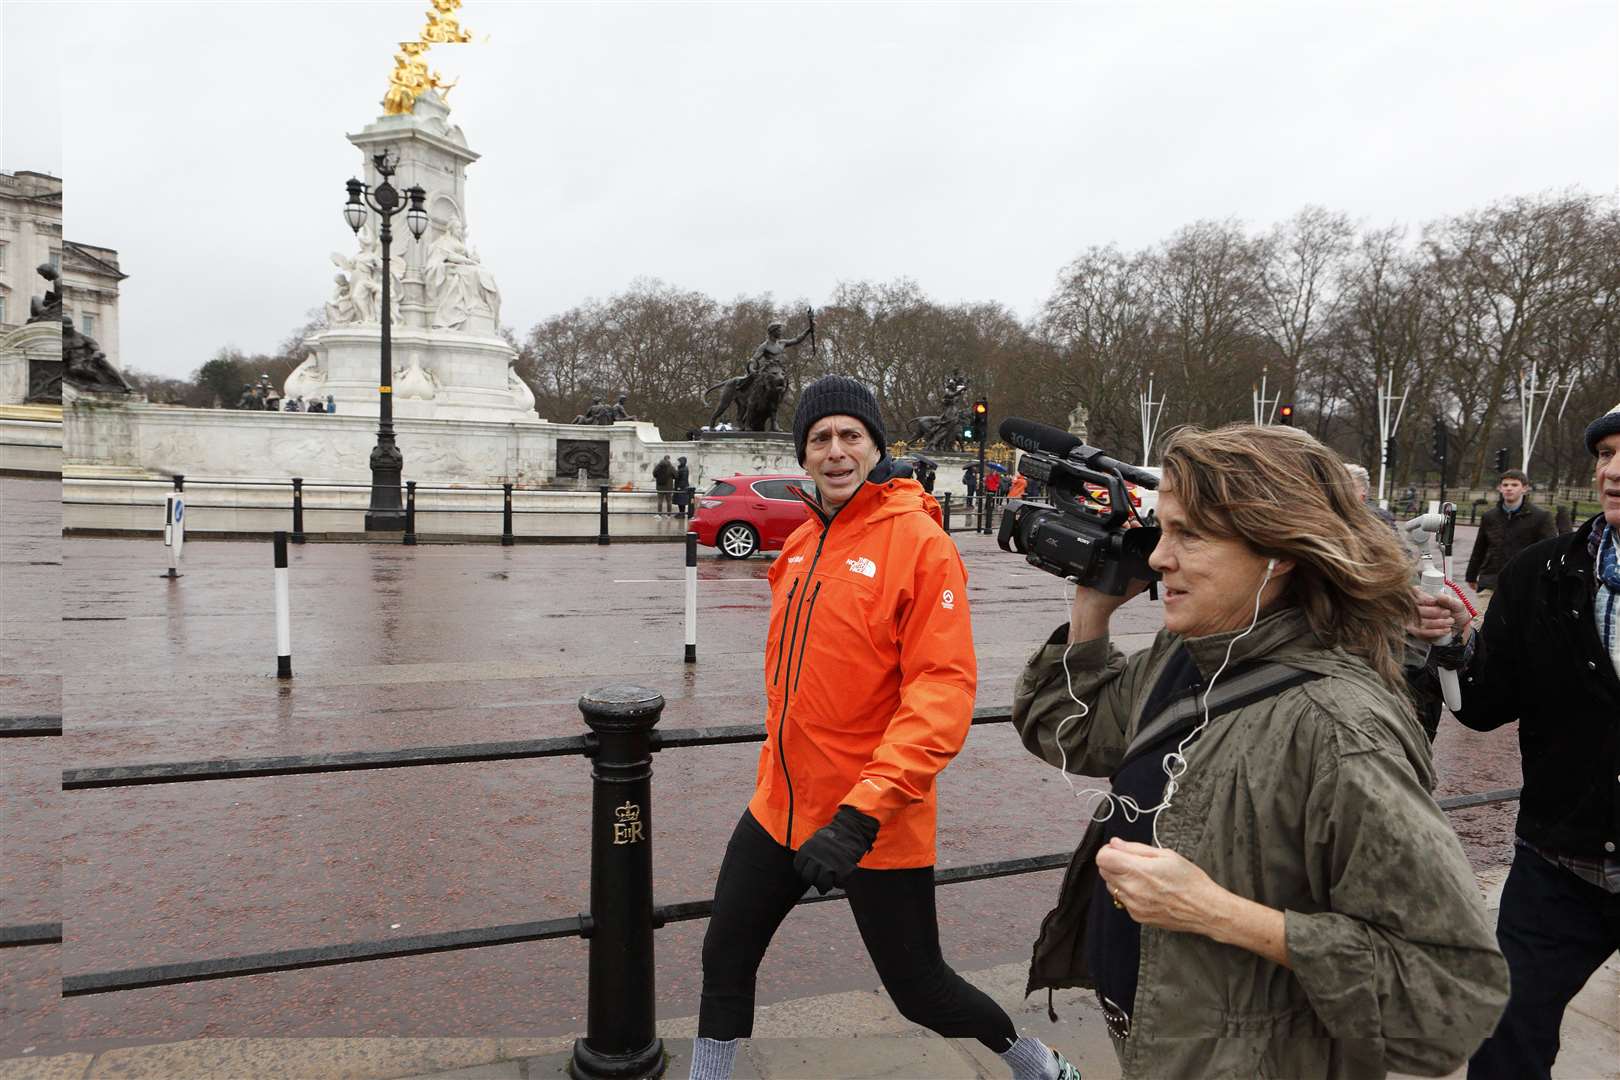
30	768
395	647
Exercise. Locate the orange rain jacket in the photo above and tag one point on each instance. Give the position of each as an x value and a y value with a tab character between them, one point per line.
869	672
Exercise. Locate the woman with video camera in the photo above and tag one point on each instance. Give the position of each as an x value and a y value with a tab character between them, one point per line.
1268	889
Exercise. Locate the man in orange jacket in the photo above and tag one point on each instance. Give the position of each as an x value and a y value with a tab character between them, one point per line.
869	682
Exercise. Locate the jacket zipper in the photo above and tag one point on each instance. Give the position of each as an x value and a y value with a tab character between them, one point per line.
781	723
781	644
805	646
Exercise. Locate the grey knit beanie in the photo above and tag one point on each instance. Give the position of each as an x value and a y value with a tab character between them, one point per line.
836	395
1601	428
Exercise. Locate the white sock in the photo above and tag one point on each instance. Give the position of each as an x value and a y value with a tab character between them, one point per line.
1029	1059
713	1059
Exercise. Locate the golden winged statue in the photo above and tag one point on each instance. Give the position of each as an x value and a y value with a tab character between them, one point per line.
411	78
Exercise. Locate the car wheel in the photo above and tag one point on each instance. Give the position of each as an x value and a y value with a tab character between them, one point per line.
737	540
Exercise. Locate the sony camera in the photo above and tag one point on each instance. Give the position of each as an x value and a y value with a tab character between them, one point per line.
1076	537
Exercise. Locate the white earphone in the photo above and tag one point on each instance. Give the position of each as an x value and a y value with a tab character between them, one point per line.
1174	763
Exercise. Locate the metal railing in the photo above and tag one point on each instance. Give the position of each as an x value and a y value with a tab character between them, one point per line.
620	1036
507	508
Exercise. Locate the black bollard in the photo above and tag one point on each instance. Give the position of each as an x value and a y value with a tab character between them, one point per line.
410	512
506	518
621	1039
602	528
297	536
946	512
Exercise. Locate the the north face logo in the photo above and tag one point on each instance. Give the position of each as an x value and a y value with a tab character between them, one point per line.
863	565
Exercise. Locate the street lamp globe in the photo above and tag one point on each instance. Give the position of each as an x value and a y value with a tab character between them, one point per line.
354	212
416	217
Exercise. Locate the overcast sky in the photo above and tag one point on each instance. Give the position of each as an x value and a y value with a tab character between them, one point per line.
740	148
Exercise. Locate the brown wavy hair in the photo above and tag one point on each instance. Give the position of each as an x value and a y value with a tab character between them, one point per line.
1288	496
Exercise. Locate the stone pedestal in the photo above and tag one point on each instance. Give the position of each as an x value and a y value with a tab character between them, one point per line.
438	375
30	356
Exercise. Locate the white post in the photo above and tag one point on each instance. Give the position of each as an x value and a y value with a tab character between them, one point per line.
174	530
283	611
1152	411
691	598
1388	428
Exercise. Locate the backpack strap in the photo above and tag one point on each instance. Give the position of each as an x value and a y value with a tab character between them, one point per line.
1246	686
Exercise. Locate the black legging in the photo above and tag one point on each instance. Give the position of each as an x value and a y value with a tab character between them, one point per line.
894	910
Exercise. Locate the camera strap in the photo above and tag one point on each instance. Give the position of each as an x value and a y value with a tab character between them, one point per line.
1246	686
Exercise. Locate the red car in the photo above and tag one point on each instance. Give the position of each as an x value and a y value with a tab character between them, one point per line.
740	515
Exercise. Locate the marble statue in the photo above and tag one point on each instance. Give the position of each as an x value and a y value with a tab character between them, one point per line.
758	391
458	286
1078	419
340	310
362	274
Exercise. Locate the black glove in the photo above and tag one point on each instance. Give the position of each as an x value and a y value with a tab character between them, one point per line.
830	855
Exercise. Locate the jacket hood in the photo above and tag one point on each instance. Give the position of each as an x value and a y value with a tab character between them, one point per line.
1286	637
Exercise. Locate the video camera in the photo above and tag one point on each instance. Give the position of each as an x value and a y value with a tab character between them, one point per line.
1074	537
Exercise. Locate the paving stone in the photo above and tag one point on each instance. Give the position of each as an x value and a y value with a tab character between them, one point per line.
294	1059
53	1067
883	1056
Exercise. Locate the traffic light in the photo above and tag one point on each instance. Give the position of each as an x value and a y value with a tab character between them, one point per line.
1285	415
1389	452
1501	460
1438	446
980	422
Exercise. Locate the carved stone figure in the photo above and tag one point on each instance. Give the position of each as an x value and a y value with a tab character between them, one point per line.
49	307
86	366
521	392
458	286
757	392
340	309
943	431
1078	420
363	274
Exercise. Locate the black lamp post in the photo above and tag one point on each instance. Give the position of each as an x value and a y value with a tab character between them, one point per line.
387	513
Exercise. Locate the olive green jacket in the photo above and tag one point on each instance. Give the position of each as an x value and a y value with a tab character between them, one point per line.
1313	801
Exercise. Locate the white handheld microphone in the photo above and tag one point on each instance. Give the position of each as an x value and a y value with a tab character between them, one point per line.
1434	583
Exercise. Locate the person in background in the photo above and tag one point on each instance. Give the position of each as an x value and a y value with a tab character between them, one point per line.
331	406
1363	483
683	487
664	481
1507	528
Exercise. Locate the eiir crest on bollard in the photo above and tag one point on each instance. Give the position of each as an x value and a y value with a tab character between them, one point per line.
627	826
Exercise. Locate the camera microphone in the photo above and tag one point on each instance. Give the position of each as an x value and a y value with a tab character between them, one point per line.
1046	439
